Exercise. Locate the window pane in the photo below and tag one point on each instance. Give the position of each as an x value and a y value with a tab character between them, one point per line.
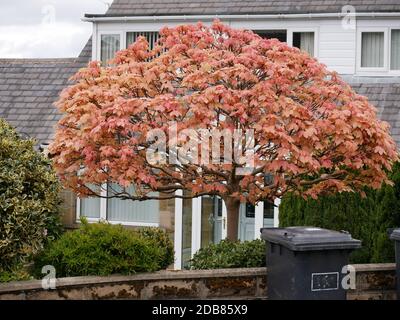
250	210
207	221
268	210
304	41
90	207
186	230
372	49
395	50
152	38
110	44
272	34
131	211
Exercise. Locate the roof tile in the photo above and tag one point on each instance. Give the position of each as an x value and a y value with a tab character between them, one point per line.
29	87
190	7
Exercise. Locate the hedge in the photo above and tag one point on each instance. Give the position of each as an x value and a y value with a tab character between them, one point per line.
230	254
367	219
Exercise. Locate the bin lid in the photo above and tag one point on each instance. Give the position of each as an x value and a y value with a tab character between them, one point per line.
395	235
310	238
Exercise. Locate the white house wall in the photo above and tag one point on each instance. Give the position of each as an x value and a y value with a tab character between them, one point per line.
336	46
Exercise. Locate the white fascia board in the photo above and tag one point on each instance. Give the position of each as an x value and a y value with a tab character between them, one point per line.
243	17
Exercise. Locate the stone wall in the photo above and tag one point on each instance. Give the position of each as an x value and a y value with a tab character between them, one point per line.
373	281
205	284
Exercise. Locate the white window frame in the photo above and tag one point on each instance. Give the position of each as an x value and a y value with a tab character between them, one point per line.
103	213
290	32
391	72
127	31
386	52
178	228
122	41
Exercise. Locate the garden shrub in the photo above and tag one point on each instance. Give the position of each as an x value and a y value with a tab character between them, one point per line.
17	273
367	219
102	249
230	254
164	243
29	199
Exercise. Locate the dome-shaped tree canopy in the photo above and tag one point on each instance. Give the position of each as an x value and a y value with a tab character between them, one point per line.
309	131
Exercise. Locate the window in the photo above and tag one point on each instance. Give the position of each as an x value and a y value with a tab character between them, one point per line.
187	209
110	44
268	210
90	207
281	35
250	210
304	41
129	212
395	50
372	49
151	37
379	50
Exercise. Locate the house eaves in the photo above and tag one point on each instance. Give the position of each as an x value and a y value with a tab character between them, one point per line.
339	15
229	8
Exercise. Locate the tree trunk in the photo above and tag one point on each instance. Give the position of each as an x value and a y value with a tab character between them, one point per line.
232	209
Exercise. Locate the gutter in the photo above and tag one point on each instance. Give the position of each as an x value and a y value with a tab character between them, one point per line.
241	16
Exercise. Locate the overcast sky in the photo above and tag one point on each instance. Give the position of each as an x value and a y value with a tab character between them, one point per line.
45	28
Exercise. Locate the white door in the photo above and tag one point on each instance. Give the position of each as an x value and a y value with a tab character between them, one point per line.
247	220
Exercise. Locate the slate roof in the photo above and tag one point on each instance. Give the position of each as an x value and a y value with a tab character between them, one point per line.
384	94
28	89
228	7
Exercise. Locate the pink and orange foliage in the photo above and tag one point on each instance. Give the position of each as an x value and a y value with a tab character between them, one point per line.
313	133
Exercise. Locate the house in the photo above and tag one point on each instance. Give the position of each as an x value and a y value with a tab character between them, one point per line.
360	39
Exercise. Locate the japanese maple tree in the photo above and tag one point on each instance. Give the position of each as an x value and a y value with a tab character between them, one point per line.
311	133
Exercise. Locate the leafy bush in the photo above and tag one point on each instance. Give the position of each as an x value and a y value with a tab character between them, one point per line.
163	242
102	249
18	273
367	219
229	254
29	199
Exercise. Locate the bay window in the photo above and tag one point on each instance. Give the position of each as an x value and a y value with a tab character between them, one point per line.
116	210
129	210
90	208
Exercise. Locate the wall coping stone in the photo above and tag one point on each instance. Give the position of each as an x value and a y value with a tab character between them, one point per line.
17	286
373	267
